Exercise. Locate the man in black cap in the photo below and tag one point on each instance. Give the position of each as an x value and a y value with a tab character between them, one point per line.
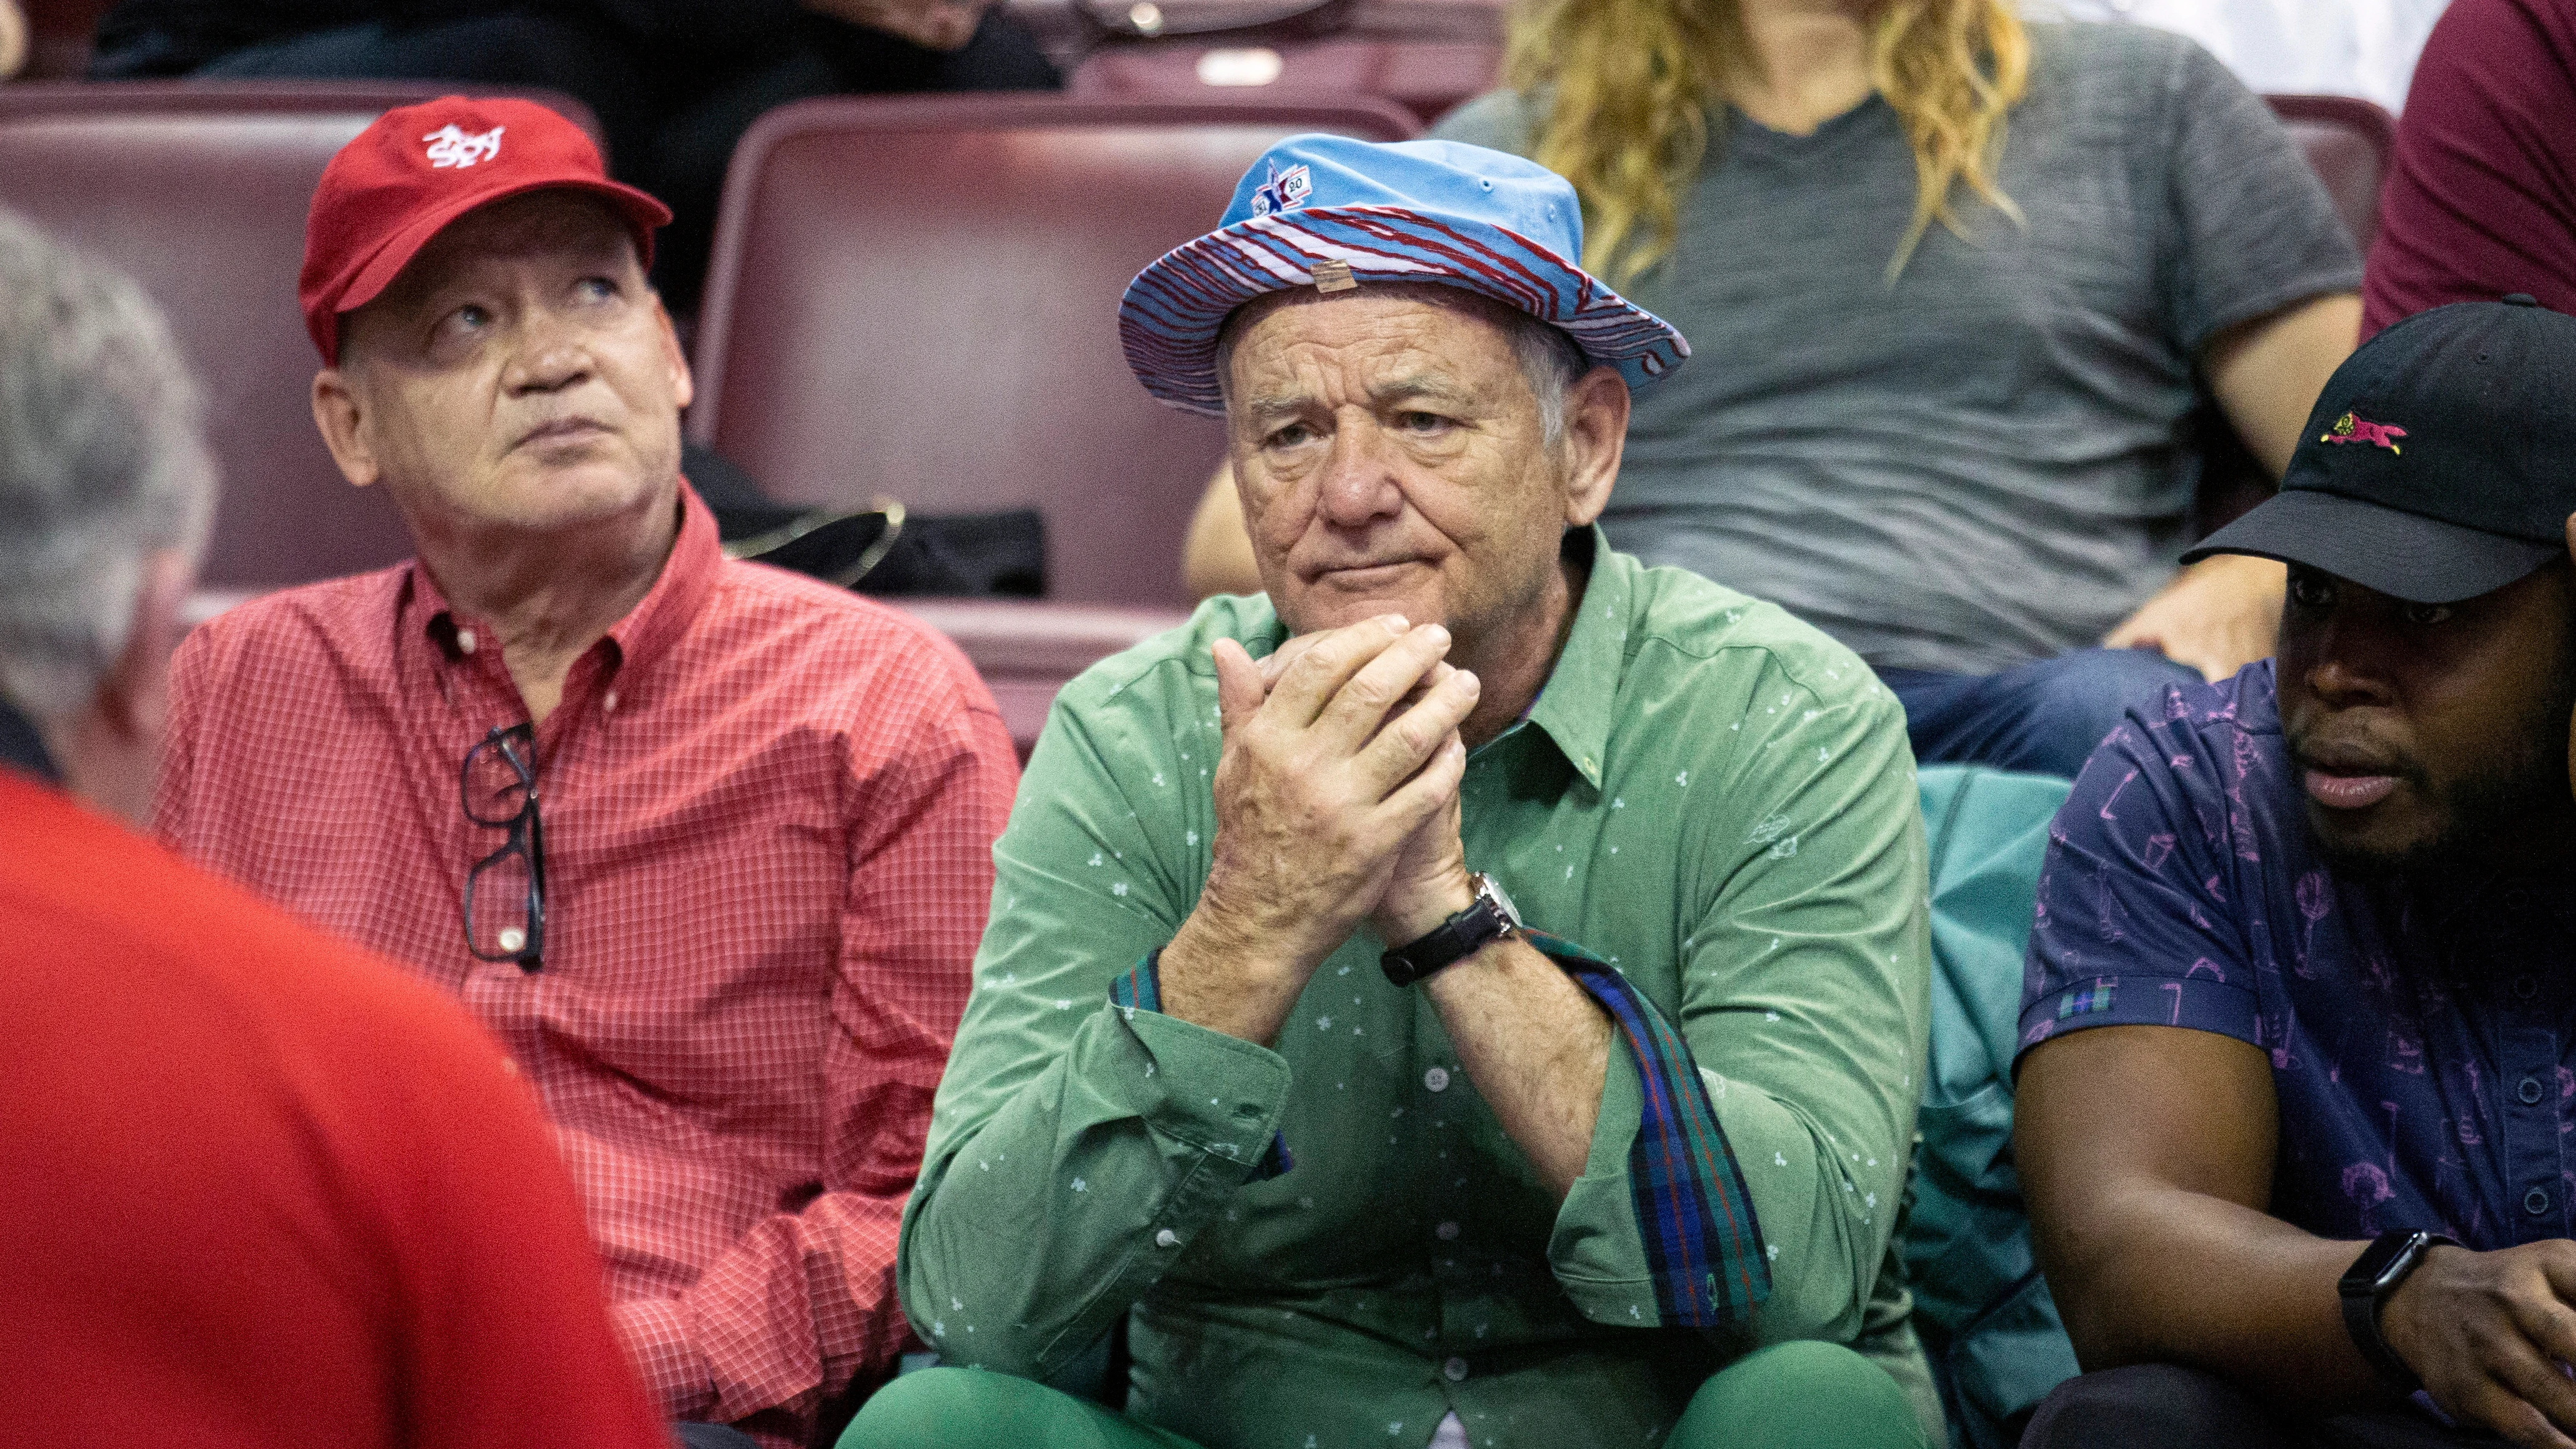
2323	1153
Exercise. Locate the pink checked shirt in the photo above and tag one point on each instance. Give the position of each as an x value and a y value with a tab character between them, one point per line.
768	809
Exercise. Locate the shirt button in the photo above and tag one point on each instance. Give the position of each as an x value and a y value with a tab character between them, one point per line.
608	702
2526	987
1455	1369
2530	1089
465	641
1446	1232
1167	1239
512	938
1437	1079
2535	1202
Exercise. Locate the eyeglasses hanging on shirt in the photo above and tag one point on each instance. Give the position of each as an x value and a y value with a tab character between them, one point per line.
505	892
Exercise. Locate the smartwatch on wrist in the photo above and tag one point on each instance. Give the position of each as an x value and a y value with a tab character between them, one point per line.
1487	919
2365	1289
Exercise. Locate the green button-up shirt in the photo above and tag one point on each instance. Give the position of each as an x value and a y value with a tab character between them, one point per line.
1709	795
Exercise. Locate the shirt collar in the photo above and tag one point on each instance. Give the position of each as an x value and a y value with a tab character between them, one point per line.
22	748
653	626
1580	699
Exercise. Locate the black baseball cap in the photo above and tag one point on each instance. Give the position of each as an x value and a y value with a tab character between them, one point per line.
2440	462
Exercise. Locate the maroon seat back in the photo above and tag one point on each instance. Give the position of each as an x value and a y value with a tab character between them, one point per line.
199	191
1426	77
2349	142
58	36
918	298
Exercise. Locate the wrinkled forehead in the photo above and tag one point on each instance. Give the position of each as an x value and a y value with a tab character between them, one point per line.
1454	332
559	223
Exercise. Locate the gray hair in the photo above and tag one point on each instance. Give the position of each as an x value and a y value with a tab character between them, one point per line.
103	464
1552	361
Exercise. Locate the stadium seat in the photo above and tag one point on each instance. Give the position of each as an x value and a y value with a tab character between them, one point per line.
1427	78
58	36
199	190
1424	55
1026	651
917	297
2351	143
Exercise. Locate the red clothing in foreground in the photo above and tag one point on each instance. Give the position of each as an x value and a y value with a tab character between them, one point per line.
2482	200
256	1189
769	808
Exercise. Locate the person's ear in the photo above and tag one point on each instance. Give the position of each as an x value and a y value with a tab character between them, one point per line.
111	752
341	415
1596	432
684	388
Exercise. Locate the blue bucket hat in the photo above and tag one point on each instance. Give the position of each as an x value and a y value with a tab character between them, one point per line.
1331	213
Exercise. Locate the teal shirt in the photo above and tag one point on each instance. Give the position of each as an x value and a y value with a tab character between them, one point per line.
1708	795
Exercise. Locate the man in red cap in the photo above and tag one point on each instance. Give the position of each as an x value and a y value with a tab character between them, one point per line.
256	1187
707	844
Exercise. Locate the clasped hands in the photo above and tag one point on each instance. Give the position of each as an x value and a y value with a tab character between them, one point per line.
1336	805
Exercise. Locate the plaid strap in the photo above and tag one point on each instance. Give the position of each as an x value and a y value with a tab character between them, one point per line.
1140	988
1693	1211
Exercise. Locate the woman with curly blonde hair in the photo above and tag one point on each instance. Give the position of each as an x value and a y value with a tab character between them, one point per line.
1957	284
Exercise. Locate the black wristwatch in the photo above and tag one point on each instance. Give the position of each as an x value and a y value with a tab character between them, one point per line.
2365	1289
1488	918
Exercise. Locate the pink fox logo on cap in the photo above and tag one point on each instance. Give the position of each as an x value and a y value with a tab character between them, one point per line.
2351	428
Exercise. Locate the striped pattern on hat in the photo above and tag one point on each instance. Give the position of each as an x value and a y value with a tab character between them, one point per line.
1169	319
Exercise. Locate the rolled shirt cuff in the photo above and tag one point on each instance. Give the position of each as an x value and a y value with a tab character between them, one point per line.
2197	1003
1694	1213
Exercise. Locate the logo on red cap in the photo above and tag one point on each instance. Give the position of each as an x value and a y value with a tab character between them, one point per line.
419	168
449	145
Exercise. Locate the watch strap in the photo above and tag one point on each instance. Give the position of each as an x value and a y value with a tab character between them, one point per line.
2365	1290
1447	944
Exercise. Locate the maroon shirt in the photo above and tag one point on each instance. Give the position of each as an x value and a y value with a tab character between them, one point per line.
2482	200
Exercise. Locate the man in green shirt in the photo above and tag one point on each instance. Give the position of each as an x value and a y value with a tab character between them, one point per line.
1618	1169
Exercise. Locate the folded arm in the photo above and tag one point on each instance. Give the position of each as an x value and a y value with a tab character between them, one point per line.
1799	1030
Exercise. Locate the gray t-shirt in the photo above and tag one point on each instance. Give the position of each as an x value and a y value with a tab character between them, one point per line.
1987	462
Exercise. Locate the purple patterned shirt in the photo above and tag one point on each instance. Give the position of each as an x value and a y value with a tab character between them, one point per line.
2422	1034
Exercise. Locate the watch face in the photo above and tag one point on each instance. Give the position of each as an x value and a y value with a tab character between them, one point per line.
2386	1257
1488	886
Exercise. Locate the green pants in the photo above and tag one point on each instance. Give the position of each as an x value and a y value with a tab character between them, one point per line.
1788	1396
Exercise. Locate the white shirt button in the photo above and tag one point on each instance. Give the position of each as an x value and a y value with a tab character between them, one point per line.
1456	1369
1437	1079
1446	1232
1167	1239
465	641
512	938
608	702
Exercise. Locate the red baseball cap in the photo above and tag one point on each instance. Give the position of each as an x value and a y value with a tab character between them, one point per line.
403	179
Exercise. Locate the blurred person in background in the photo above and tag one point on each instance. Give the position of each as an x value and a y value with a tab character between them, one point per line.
257	1188
674	83
2482	199
707	844
2364	48
1959	283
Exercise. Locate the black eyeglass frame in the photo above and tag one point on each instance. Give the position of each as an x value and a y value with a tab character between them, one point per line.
517	746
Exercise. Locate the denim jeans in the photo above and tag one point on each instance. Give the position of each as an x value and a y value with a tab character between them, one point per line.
2041	718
